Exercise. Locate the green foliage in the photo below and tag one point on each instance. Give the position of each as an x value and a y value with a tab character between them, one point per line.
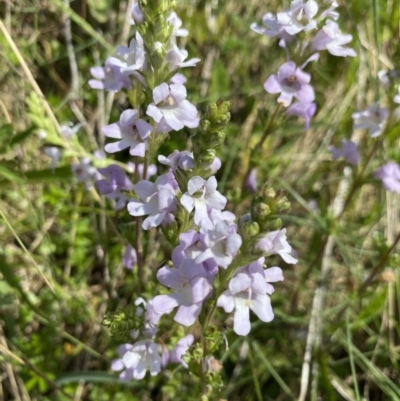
57	347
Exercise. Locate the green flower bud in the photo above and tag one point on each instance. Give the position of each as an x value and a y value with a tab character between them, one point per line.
205	124
282	204
260	211
268	192
214	338
223	106
216	139
251	228
207	157
271	225
234	194
212	110
170	232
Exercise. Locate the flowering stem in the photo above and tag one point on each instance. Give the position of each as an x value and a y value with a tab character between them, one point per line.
360	176
258	147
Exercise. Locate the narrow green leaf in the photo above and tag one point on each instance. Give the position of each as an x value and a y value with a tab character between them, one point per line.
21	136
91	377
42	176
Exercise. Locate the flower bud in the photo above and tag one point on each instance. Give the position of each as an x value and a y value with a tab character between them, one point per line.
170	231
212	110
205	124
207	157
216	139
223	106
249	229
260	211
268	192
272	225
282	204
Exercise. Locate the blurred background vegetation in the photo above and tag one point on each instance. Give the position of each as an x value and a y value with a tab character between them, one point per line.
61	247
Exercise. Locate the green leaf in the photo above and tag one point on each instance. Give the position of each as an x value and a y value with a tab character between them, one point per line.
42	176
6	132
374	306
21	136
10	175
91	377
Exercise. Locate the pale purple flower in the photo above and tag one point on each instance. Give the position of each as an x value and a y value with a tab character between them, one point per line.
251	181
249	289
202	193
83	171
176	57
183	160
272	29
215	165
55	155
99	154
180	349
373	118
133	57
223	244
68	130
157	200
170	176
115	179
178	79
299	17
329	12
136	14
389	174
215	216
120	199
275	243
329	38
130	257
151	170
151	319
136	359
132	132
176	22
109	77
191	244
171	108
304	110
348	150
191	284
290	82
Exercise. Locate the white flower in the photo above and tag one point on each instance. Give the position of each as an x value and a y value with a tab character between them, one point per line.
373	118
176	57
136	359
176	22
299	17
222	244
202	193
54	153
275	243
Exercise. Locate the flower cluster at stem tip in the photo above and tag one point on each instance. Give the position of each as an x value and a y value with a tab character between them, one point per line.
219	260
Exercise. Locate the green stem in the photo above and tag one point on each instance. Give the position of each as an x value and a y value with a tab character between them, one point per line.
258	147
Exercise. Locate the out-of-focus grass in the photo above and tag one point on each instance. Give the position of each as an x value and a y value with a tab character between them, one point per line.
53	346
